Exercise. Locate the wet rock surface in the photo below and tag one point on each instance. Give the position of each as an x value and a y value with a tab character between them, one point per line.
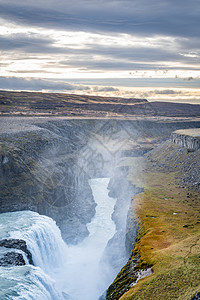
13	257
42	174
45	163
125	279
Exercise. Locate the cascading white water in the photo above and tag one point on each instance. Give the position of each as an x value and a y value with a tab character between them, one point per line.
27	283
84	277
44	241
60	272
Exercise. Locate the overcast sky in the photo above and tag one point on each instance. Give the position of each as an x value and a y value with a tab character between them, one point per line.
141	48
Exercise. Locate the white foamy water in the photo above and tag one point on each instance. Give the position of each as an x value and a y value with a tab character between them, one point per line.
44	241
60	271
85	279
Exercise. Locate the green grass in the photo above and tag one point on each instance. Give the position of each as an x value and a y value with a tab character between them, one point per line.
169	239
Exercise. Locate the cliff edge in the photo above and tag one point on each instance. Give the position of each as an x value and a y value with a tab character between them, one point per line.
168	239
187	138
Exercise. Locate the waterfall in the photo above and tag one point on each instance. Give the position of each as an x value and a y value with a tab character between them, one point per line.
27	283
85	279
60	272
44	241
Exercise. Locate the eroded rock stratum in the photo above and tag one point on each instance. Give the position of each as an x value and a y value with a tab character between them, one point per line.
45	164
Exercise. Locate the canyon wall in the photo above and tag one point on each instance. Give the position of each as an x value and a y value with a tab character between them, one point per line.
188	138
45	164
39	171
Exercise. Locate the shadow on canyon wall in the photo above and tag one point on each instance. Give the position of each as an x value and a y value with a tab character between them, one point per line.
46	164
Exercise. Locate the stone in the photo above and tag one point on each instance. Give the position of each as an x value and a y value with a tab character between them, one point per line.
12	259
17	244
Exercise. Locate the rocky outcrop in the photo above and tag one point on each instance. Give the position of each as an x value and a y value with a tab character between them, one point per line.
118	251
13	258
171	157
120	188
133	271
124	280
40	171
188	138
45	163
131	227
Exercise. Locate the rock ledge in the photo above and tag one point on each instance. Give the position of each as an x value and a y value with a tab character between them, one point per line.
187	138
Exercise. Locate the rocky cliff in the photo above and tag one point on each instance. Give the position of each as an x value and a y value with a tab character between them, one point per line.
45	164
39	171
187	138
12	257
166	249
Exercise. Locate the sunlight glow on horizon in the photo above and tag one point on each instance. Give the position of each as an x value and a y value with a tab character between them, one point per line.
85	40
32	51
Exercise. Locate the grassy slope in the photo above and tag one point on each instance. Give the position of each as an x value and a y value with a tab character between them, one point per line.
169	216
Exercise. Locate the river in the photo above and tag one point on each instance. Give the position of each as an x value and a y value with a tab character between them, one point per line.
61	271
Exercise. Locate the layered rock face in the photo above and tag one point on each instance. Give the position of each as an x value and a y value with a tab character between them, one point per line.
168	156
45	164
39	171
188	138
120	246
12	257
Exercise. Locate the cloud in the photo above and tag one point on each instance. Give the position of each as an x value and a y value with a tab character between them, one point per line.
28	43
170	92
122	58
128	35
166	92
139	17
13	83
104	89
100	36
93	56
36	84
95	87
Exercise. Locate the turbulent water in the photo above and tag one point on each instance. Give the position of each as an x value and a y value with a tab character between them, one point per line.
46	245
60	271
84	275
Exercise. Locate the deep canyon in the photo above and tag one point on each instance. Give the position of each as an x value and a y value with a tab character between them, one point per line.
66	191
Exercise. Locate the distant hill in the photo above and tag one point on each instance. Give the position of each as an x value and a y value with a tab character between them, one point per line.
176	109
59	104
